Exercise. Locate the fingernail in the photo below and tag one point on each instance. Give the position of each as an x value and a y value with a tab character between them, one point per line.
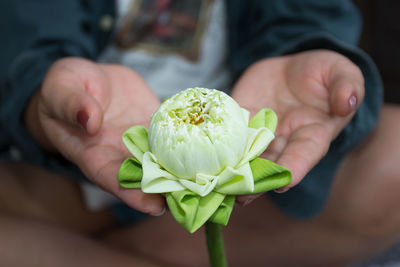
353	102
247	202
281	190
158	213
82	117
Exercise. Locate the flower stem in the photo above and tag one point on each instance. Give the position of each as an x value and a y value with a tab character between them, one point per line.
215	244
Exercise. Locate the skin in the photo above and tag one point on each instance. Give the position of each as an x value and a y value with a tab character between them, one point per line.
82	109
310	92
358	221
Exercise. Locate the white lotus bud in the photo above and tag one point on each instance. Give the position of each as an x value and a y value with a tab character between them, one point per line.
198	131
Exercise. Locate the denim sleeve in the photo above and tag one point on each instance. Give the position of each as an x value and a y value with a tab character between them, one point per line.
35	35
273	28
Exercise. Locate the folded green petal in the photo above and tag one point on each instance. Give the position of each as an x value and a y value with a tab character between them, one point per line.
136	141
191	210
264	118
235	181
223	213
130	173
155	179
268	175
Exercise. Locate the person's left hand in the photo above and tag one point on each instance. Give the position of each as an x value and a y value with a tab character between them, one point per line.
314	94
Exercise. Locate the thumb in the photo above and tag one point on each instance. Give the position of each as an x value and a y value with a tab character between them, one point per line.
74	107
75	92
346	88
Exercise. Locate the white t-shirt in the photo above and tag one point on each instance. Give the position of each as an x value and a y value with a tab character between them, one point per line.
173	45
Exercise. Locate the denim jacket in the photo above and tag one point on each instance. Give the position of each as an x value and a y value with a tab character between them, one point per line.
37	33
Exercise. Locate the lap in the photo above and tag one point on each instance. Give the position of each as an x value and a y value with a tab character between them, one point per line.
367	183
30	191
366	189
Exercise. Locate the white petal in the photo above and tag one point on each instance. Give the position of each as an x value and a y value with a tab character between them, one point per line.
257	141
203	186
155	179
246	115
190	133
236	181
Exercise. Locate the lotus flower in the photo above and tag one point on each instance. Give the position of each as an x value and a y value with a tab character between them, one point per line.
201	148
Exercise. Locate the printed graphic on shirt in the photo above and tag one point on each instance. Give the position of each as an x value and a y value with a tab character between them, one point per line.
165	27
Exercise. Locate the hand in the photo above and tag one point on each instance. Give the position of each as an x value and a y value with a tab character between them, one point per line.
314	94
83	108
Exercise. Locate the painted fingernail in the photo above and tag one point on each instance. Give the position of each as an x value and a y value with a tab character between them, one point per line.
158	213
82	117
353	102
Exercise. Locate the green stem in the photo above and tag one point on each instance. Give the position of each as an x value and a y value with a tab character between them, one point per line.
215	244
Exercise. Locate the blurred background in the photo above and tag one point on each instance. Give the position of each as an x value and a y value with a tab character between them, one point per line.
381	40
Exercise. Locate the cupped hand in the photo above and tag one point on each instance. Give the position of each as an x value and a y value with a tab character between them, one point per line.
314	93
83	108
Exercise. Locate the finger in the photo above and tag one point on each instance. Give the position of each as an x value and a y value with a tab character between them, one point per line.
73	106
106	178
275	148
346	88
303	151
76	91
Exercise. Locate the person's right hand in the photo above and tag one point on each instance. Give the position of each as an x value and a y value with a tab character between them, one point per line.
81	111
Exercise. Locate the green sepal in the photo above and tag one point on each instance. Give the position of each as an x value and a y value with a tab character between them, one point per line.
191	210
264	118
130	173
268	175
136	141
223	213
